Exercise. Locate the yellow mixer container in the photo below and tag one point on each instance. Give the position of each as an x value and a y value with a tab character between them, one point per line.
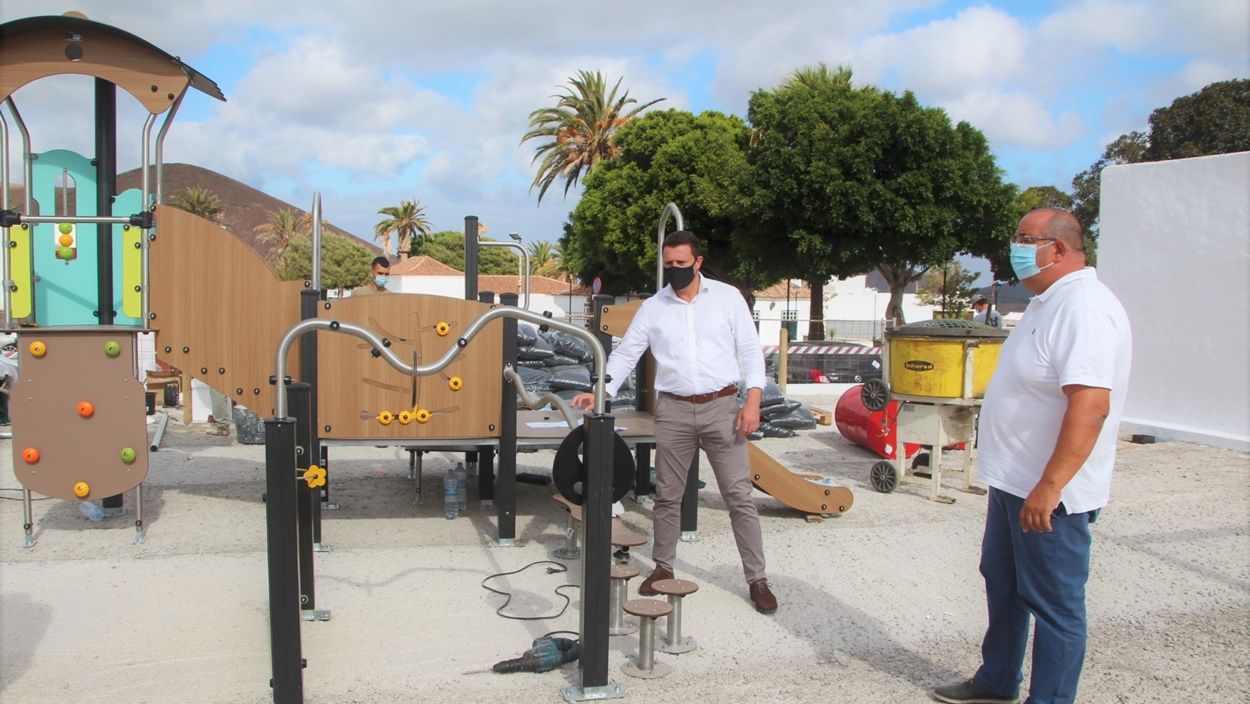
930	358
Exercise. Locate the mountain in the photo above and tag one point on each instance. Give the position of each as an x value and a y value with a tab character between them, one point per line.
244	208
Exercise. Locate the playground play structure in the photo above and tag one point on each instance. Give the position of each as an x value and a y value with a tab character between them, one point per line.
82	283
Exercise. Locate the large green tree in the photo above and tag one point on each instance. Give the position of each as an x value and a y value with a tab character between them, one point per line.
576	134
695	161
344	263
1214	120
406	222
848	179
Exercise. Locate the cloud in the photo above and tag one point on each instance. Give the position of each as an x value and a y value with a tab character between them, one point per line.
978	47
1015	119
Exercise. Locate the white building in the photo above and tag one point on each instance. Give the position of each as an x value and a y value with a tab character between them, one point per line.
853	310
423	274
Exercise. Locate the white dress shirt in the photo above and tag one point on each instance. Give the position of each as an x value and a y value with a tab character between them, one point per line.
699	347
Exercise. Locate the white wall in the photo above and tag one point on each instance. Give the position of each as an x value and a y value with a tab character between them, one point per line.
1174	245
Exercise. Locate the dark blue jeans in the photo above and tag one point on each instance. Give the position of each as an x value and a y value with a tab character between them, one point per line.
1041	575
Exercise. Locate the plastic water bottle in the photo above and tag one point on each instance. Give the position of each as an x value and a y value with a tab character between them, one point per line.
462	485
91	511
451	494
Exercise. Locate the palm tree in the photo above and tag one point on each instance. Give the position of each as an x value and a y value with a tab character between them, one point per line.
406	220
817	76
282	226
200	201
541	252
579	130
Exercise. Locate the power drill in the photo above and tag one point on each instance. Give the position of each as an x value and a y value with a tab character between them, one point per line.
546	654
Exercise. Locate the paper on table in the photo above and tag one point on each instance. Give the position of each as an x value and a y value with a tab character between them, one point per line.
540	424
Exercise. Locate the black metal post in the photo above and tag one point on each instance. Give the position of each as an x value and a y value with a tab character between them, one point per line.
300	400
597	555
470	257
505	483
690	500
280	523
309	303
106	186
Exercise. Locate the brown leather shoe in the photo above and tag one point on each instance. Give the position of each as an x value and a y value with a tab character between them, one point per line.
762	596
657	574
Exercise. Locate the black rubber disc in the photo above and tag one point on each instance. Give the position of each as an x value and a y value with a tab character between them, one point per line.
568	472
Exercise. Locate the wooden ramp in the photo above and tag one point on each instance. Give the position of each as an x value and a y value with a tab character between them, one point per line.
802	492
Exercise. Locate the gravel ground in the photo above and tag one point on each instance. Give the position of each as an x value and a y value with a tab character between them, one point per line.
876	605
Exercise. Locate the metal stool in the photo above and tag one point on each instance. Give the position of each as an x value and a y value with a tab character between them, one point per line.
617	625
647	611
672	642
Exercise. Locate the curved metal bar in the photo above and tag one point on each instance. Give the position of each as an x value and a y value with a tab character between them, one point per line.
532	403
316	241
4	205
525	262
143	238
442	362
160	148
28	171
670	209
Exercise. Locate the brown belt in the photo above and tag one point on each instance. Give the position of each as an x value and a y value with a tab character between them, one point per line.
704	398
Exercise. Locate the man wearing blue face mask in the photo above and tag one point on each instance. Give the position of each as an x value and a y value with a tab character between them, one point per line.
704	340
1046	448
379	277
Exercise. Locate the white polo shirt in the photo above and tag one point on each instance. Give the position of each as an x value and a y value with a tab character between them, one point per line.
1075	332
699	347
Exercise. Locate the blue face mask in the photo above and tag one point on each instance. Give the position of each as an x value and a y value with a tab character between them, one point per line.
381	281
1024	260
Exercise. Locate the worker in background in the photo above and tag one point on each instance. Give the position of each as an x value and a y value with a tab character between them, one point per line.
703	340
379	277
983	313
1048	431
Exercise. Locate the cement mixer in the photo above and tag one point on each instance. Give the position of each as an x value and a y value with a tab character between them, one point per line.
937	372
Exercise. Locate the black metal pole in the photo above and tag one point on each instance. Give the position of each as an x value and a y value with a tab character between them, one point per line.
300	399
283	544
505	482
597	555
309	303
690	500
470	257
106	186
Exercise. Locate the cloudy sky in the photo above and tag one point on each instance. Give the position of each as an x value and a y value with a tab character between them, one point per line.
373	101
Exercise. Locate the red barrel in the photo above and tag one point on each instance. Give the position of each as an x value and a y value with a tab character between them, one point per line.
873	430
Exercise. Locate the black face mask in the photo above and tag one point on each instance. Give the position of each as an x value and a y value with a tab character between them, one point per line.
678	277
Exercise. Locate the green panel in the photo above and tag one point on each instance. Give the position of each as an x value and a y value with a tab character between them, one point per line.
19	268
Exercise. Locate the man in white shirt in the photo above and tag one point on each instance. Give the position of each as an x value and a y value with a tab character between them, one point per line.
1047	449
703	339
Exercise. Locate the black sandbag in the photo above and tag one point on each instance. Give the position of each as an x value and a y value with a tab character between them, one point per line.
756	435
537	381
573	377
624	398
778	410
541	349
526	335
569	346
800	419
771	431
772	394
532	363
559	360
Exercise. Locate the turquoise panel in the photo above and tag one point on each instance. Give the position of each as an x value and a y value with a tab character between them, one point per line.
67	289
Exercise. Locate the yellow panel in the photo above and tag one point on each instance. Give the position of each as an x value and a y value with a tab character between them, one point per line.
132	272
983	365
22	299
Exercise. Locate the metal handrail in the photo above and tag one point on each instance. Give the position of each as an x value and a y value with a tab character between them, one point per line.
525	262
670	209
532	403
385	352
